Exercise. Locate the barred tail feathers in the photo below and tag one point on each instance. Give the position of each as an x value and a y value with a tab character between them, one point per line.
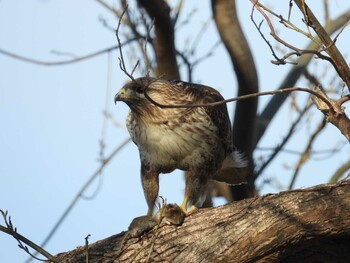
234	169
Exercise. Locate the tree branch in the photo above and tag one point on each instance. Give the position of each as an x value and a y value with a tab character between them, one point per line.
340	172
292	77
306	153
311	20
63	62
165	37
244	97
83	189
12	231
291	226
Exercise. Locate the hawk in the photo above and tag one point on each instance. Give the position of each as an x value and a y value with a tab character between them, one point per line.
196	140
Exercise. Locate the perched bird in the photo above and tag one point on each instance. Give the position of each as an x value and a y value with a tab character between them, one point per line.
196	140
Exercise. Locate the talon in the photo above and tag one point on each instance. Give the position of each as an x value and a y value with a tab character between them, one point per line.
192	210
183	207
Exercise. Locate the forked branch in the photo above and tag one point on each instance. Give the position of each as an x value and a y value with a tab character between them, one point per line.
11	230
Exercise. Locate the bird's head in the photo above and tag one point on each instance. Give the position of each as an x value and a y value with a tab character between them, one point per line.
133	94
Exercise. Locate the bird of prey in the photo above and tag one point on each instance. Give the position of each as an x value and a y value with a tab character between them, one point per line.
196	140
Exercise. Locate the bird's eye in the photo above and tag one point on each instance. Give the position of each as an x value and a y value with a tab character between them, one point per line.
139	89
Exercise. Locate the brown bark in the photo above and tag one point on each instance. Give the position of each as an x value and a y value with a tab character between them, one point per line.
340	63
244	125
341	121
310	225
165	38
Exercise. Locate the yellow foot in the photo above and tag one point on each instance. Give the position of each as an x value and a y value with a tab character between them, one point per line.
183	207
193	209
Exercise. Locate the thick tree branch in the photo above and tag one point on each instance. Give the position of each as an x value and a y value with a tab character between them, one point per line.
310	225
225	16
165	38
332	50
244	125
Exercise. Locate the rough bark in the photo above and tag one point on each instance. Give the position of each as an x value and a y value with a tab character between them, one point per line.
244	125
309	225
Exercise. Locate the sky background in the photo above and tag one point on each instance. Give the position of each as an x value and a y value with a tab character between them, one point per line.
52	119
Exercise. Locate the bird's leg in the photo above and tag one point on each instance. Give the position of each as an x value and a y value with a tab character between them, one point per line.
183	206
195	190
150	184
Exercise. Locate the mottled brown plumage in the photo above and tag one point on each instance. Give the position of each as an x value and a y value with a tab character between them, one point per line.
196	140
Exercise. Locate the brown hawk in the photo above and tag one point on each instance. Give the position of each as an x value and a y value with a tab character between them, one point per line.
196	140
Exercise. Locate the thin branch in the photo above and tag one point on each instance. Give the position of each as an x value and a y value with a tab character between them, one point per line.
83	189
177	11
187	63
279	148
326	11
87	248
248	96
327	152
296	51
287	23
340	172
272	29
121	58
64	62
341	65
258	27
306	153
272	107
145	56
109	7
343	99
10	230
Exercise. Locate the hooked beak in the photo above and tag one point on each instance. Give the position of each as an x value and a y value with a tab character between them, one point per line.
120	96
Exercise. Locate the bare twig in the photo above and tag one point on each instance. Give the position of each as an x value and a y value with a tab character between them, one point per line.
83	189
121	58
9	229
340	172
279	148
296	51
306	153
109	7
64	62
326	11
273	33
327	152
340	64
287	23
258	27
145	56
272	107
343	99
248	96
87	248
177	11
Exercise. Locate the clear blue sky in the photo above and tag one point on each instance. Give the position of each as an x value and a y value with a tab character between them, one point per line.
52	120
